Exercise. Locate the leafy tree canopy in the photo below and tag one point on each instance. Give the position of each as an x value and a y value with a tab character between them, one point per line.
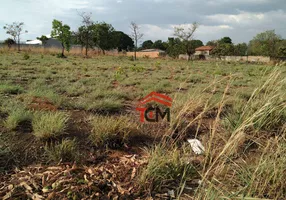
62	33
148	44
225	40
123	41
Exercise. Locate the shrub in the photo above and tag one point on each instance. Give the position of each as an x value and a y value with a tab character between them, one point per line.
17	116
66	151
49	124
111	131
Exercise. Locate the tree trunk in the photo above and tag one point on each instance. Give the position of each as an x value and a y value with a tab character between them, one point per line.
86	46
189	56
63	51
135	50
18	44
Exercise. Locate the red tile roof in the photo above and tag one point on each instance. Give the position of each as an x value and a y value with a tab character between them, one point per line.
205	48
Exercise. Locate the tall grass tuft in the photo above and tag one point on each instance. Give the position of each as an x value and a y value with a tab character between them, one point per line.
66	151
262	175
166	168
111	132
265	109
16	116
48	125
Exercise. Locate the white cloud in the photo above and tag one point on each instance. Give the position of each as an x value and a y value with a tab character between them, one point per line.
155	32
238	19
241	18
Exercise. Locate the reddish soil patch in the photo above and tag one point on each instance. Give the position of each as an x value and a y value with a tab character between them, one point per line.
42	104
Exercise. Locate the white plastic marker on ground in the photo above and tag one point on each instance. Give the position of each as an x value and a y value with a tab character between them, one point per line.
197	146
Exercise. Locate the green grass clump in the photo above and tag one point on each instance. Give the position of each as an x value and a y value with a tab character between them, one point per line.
10	89
49	124
17	116
166	167
66	151
111	131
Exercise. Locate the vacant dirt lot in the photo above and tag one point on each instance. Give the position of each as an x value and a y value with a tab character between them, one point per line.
69	129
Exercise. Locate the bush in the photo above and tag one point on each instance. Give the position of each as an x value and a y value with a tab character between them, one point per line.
111	131
66	151
47	125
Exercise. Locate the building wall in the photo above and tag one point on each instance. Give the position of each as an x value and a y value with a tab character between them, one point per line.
263	59
144	54
206	53
53	43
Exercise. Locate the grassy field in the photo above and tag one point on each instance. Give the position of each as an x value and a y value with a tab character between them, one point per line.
69	129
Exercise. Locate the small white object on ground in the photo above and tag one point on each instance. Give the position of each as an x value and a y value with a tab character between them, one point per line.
197	146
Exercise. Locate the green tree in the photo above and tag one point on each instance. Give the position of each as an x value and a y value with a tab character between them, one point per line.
175	47
186	36
158	44
240	49
85	34
9	42
148	44
62	33
104	36
123	41
15	30
282	48
212	43
265	44
195	44
225	40
43	39
223	49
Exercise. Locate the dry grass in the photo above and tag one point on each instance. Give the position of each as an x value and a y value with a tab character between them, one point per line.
53	50
48	125
111	132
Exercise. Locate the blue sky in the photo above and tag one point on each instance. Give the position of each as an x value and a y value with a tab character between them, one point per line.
238	19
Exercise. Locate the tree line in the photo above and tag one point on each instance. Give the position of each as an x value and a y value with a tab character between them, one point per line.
89	35
267	43
103	36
